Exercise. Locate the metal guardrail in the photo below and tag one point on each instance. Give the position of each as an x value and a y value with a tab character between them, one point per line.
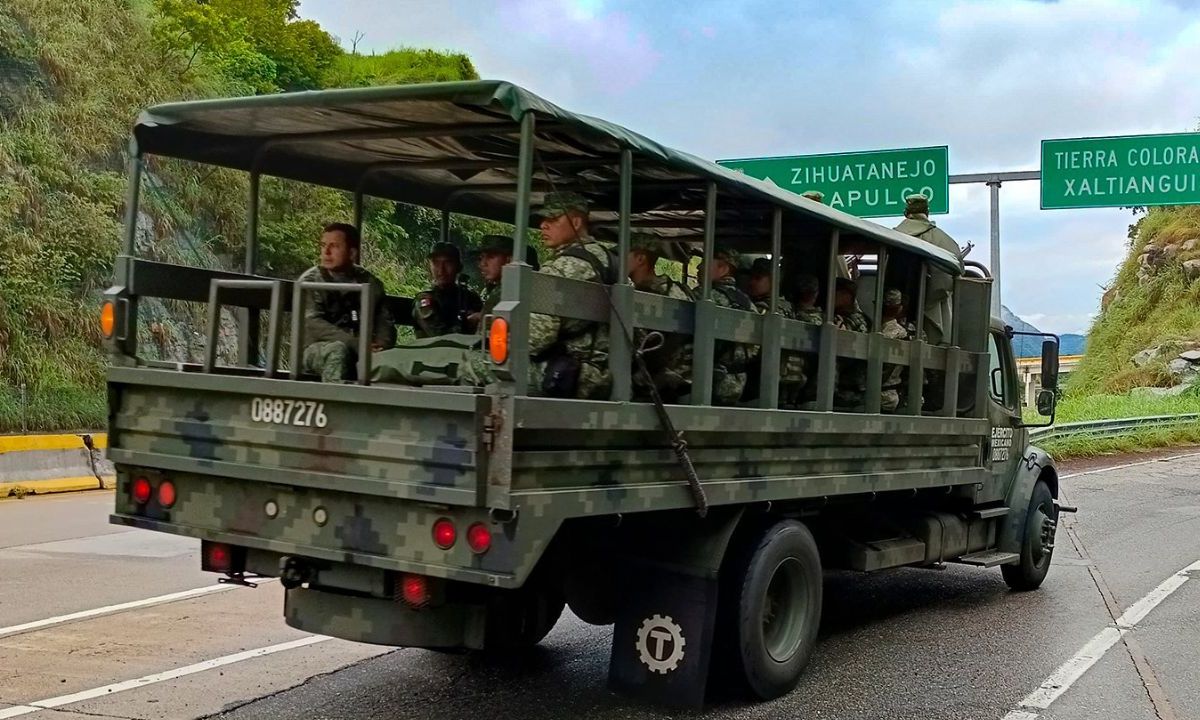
1111	428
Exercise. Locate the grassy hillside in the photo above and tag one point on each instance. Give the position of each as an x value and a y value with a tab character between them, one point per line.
73	74
1154	301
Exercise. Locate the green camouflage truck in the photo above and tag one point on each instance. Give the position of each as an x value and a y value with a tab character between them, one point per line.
447	517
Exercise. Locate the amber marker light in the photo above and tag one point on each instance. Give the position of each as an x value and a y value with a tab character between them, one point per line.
498	341
108	319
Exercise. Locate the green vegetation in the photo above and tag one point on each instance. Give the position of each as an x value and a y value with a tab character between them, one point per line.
1082	408
73	74
1160	308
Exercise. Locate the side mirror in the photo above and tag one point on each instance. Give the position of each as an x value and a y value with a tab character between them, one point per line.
1049	368
1046	402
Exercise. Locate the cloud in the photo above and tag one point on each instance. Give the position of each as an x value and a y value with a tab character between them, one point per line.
760	77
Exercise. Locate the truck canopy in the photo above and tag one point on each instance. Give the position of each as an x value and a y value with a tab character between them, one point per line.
455	146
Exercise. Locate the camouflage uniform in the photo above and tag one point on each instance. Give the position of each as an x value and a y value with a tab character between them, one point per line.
554	339
331	323
893	375
731	360
940	285
671	365
791	366
851	374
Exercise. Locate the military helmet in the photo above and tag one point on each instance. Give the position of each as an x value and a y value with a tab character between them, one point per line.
892	298
814	195
760	266
503	245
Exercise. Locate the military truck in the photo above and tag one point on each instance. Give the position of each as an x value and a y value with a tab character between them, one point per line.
448	518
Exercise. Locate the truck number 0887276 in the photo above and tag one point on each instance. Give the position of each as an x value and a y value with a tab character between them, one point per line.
301	413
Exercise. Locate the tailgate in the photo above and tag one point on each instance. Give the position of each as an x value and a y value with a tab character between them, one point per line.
402	443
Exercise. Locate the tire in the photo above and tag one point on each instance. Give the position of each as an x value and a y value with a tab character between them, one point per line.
521	619
1036	550
770	609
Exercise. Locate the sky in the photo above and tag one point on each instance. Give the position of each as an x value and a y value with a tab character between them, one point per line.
749	78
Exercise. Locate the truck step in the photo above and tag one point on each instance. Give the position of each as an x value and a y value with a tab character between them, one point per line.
882	554
992	512
989	558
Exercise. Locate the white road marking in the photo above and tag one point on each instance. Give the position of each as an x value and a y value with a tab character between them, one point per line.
1061	679
199	667
109	609
1128	465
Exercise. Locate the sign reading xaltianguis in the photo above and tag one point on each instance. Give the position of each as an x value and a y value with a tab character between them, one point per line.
1121	171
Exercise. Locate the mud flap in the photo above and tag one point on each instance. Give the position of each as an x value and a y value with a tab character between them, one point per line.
663	639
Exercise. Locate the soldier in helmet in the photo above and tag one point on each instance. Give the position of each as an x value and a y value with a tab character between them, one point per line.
851	373
940	285
731	360
446	307
808	290
670	365
331	322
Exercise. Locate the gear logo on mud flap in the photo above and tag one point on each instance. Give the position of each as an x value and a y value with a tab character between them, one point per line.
660	644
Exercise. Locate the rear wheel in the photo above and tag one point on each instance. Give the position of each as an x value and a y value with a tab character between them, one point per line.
771	608
1037	542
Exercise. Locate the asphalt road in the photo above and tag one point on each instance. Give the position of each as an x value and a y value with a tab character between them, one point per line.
1114	633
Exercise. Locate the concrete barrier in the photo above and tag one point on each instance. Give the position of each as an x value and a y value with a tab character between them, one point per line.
36	464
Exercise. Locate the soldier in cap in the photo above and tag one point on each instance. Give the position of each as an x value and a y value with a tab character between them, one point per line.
936	324
446	307
331	322
731	360
569	357
897	327
670	365
495	253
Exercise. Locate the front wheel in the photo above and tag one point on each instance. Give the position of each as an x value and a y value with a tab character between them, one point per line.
771	608
1037	542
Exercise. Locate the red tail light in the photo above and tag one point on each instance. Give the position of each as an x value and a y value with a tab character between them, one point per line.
216	557
444	533
166	493
479	538
141	490
414	590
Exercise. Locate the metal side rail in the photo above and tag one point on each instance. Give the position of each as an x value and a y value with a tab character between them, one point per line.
1111	428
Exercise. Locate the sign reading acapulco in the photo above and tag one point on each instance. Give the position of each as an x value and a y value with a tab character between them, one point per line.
1121	171
866	184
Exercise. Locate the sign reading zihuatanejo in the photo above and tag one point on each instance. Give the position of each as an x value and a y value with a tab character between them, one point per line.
866	184
1121	171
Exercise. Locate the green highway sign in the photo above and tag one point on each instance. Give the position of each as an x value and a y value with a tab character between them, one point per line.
866	184
1121	171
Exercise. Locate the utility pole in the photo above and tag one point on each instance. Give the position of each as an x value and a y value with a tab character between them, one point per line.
993	181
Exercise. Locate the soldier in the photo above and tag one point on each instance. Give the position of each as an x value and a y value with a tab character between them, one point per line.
808	289
847	314
759	288
569	357
331	321
939	287
447	306
851	374
814	195
493	256
897	327
731	360
791	368
936	324
670	365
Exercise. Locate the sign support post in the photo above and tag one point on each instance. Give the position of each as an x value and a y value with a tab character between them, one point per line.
993	181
